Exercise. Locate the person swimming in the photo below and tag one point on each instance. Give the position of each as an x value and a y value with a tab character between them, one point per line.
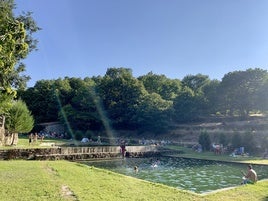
136	169
156	163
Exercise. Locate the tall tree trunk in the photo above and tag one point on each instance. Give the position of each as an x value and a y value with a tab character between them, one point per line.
15	138
2	130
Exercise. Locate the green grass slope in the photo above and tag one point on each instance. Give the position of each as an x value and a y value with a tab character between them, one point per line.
63	180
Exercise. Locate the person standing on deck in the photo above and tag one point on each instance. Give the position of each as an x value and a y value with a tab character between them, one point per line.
123	149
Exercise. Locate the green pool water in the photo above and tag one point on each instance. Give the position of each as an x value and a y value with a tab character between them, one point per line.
189	174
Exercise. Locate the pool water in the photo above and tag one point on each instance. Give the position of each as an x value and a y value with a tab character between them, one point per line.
189	174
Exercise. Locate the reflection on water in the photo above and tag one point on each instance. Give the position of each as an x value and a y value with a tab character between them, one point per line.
189	174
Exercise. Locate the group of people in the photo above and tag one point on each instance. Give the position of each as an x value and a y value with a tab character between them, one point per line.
248	178
154	165
34	137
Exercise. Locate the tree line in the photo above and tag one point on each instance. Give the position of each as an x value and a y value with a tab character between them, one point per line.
149	102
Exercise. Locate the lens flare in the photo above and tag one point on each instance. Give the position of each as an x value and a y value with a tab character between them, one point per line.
100	110
65	118
104	119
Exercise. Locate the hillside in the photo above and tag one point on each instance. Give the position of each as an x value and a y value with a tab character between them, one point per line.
189	133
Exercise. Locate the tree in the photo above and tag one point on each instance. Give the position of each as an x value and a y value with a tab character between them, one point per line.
211	96
42	101
192	103
15	44
168	89
121	94
64	90
18	120
81	113
153	113
195	82
188	106
262	95
183	106
241	91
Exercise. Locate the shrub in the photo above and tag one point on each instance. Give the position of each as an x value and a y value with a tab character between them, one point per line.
88	134
204	140
79	135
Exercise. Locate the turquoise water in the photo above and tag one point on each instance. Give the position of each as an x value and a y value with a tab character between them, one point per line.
189	174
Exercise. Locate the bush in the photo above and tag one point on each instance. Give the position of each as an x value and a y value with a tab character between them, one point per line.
88	134
204	140
79	135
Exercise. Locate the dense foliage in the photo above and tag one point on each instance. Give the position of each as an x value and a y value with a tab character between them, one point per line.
16	42
19	119
204	141
148	103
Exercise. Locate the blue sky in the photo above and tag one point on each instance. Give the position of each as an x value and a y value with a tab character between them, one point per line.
82	38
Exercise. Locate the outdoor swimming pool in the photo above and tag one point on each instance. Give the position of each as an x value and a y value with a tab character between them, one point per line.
189	174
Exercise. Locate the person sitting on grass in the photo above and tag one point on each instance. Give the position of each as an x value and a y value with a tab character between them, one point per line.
250	177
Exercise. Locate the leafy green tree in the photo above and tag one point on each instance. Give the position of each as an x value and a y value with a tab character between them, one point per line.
262	95
211	96
18	120
240	91
192	102
121	94
42	101
195	82
153	113
188	106
183	106
15	44
63	90
167	88
81	113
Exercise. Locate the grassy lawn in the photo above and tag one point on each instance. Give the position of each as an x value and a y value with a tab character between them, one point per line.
257	191
63	180
189	153
23	143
